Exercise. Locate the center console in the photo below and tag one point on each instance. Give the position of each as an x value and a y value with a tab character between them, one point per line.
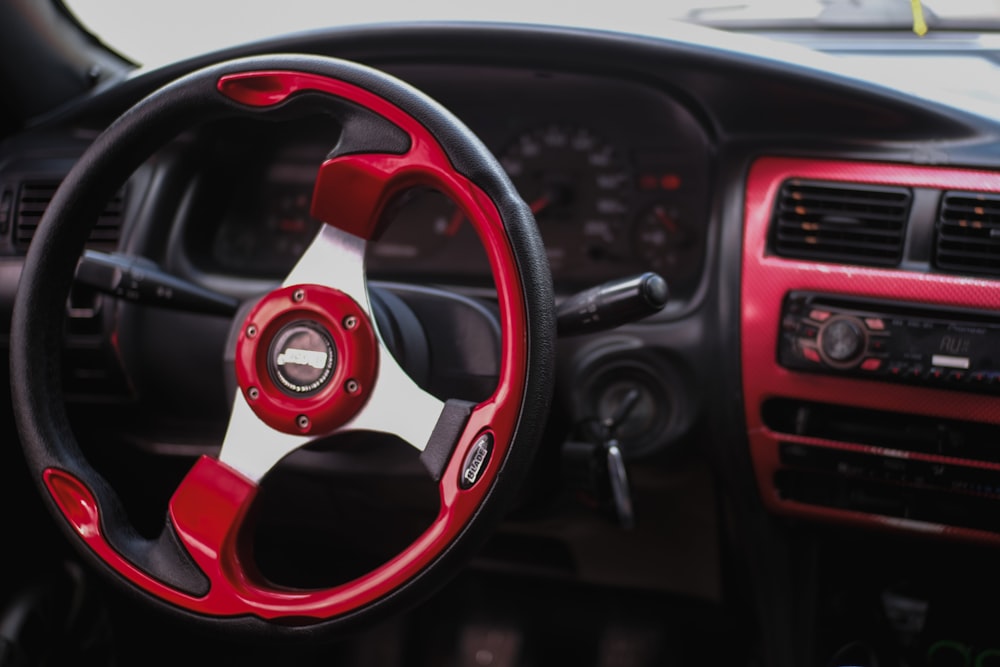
871	344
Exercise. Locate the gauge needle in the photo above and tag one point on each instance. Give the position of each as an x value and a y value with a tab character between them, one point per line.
665	219
540	204
455	222
555	194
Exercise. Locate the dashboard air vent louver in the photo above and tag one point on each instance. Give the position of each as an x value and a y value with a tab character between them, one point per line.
834	222
34	197
968	233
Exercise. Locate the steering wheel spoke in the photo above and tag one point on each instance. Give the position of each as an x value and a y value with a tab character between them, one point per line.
397	406
335	258
251	446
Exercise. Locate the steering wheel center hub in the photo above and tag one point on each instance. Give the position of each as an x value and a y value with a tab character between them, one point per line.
302	358
306	359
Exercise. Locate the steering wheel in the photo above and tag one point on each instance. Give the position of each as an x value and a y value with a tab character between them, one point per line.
310	360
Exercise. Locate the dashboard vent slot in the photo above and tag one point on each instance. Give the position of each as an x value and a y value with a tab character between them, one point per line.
34	197
833	222
968	233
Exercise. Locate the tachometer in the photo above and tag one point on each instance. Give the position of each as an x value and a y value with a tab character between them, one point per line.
419	229
428	238
579	187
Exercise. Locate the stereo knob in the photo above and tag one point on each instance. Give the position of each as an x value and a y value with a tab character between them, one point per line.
842	341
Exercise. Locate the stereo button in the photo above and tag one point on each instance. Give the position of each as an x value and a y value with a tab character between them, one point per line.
842	341
979	377
811	354
819	315
871	364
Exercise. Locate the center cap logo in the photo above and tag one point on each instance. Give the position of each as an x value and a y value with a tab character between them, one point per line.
302	358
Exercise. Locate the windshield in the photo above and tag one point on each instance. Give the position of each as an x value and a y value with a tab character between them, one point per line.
155	33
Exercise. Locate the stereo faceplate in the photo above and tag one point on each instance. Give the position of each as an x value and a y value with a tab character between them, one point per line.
891	341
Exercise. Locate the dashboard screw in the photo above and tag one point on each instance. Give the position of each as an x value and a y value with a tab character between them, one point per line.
352	386
251	331
350	322
302	422
253	393
298	295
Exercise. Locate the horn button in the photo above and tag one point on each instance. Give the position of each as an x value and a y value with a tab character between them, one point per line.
306	359
302	358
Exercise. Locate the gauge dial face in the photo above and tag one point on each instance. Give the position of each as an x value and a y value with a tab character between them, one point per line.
663	244
579	187
605	210
424	224
428	235
268	230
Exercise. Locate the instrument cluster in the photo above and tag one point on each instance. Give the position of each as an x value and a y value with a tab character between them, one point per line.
620	188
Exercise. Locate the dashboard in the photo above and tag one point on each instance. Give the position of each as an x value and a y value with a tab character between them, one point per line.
617	175
830	245
630	164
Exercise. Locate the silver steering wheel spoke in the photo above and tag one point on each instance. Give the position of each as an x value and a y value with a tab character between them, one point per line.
396	405
251	447
334	259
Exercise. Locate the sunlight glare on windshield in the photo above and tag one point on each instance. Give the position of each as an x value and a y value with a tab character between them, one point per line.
155	33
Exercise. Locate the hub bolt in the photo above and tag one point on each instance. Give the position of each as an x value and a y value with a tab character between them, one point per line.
253	393
352	386
302	422
350	322
298	295
251	331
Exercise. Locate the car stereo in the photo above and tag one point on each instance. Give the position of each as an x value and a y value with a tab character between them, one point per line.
891	341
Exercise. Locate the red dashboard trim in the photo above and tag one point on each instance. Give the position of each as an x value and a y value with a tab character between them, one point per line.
767	278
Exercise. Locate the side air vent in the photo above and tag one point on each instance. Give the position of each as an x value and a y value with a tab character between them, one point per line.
833	222
968	233
33	198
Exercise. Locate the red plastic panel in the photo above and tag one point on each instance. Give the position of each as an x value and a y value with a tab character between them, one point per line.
767	278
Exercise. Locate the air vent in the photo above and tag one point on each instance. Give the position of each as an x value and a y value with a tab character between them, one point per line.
832	222
34	197
968	233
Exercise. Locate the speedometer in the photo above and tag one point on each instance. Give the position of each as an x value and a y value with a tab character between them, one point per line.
580	189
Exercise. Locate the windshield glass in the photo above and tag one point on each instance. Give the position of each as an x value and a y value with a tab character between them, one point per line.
155	33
